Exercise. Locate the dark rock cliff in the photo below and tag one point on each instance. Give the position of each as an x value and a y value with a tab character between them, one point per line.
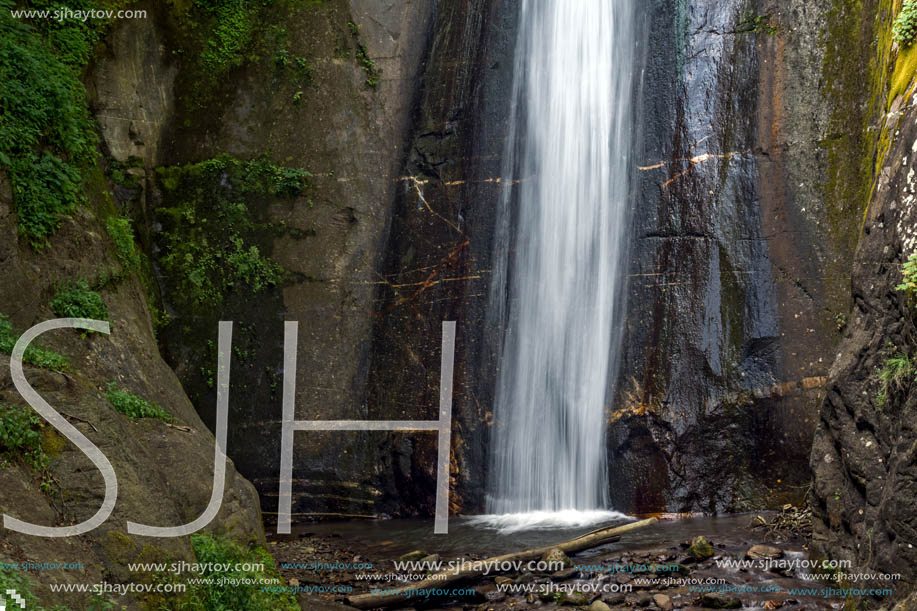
738	263
438	253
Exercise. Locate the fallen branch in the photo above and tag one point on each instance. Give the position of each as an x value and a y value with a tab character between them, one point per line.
476	568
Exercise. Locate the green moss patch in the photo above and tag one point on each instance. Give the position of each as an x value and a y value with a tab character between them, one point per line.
21	439
213	240
47	137
903	75
133	405
34	355
77	300
211	550
121	232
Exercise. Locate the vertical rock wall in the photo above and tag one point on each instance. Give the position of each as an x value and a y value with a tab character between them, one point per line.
738	280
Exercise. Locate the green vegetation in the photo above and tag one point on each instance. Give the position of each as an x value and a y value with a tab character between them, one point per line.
134	406
20	438
211	550
234	23
904	29
758	24
121	232
369	66
34	354
909	276
19	581
121	173
209	226
300	67
77	300
895	377
46	135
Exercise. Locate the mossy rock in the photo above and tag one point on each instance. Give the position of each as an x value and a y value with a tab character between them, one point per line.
700	548
415	556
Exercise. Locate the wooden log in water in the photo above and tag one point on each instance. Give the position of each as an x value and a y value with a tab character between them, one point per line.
476	568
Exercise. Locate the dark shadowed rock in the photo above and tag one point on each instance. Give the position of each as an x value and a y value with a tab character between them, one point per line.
716	600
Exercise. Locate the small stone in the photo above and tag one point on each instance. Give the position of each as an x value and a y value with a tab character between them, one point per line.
556	555
599	606
574	599
643	600
700	548
414	556
615	599
763	552
500	580
431	559
496	596
715	600
663	602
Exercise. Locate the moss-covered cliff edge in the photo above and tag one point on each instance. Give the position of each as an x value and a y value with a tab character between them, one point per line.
863	455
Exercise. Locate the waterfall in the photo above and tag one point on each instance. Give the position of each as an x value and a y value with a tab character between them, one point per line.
557	288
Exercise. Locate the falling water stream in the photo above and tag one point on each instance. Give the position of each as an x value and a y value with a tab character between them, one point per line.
557	289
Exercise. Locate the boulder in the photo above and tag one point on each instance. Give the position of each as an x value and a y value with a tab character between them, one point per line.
700	548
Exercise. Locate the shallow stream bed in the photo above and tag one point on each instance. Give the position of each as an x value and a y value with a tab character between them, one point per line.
648	568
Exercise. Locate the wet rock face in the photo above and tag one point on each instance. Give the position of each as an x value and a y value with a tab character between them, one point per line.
731	310
350	135
864	457
436	264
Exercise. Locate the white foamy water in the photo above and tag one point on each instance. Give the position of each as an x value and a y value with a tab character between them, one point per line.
548	520
557	289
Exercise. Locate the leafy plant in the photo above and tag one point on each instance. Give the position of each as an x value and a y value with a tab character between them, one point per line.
895	376
134	406
207	248
34	355
904	30
77	300
122	234
46	134
19	582
20	437
212	551
369	66
20	433
909	276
